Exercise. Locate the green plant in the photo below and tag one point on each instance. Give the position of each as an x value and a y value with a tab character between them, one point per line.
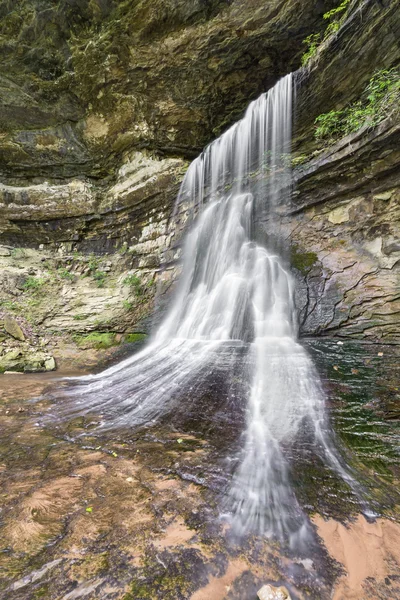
312	43
99	277
336	17
9	305
79	317
65	274
33	283
127	305
123	249
379	99
93	262
17	253
134	282
334	12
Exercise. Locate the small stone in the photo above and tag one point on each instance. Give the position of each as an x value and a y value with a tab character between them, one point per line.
269	592
129	479
384	196
340	343
4	251
41	246
50	364
13	329
11	373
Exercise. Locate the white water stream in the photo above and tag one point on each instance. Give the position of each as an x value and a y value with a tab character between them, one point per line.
232	290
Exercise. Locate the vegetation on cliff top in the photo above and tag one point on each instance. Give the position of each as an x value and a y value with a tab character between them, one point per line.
335	18
380	99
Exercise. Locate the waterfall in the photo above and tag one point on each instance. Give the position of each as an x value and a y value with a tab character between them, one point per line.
232	291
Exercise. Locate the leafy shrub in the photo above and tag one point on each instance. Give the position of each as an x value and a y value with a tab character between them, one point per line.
134	282
312	43
127	305
336	17
63	273
33	283
334	12
99	277
379	99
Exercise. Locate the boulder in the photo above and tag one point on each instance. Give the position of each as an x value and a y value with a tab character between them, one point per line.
20	360
13	329
50	364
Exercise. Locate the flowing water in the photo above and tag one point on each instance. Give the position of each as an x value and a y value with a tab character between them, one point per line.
233	307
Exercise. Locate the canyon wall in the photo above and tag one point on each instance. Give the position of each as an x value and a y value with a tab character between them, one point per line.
102	105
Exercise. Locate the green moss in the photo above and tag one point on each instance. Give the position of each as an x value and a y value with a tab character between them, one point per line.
138	591
134	337
96	340
302	261
299	160
17	253
42	592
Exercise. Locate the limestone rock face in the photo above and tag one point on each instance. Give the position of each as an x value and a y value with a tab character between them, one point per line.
344	220
83	81
351	287
102	104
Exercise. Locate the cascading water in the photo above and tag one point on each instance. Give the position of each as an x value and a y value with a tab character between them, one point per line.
236	292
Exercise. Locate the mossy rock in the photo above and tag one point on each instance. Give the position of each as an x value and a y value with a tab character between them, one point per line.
22	361
302	261
97	341
13	329
131	338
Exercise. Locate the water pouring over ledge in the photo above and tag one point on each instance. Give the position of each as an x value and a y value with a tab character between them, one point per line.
233	293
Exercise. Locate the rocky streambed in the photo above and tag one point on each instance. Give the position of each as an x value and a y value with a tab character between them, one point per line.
136	514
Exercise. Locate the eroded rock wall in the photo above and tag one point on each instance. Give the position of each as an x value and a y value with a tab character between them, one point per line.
103	103
344	219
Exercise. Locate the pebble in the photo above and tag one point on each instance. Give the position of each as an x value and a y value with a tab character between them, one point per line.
269	592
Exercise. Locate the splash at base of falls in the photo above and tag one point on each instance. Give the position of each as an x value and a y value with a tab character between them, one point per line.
232	293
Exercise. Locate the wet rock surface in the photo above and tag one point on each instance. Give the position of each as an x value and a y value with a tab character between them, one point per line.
97	140
135	514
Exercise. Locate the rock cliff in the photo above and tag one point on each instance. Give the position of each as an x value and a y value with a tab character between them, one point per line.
102	105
